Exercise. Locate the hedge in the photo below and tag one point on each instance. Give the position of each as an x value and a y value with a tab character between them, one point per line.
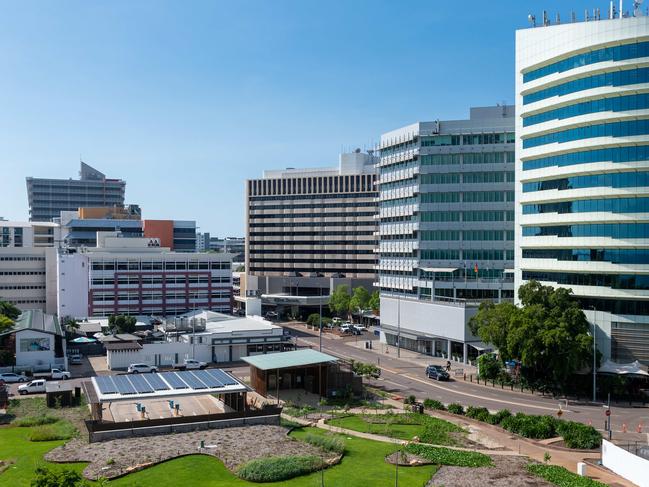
40	420
276	469
434	404
455	408
326	442
579	435
446	456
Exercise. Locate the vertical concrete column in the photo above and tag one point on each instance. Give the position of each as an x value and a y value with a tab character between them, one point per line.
448	349
465	357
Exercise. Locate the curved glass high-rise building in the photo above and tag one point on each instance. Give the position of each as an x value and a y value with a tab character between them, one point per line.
582	172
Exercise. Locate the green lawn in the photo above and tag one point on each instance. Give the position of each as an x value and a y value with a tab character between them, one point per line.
403	426
363	461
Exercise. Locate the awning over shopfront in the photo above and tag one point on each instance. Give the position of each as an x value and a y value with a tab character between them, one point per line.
631	369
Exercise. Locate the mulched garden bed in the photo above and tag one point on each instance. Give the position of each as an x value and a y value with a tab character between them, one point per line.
233	446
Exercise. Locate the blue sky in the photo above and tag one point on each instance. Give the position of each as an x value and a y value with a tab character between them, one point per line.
186	100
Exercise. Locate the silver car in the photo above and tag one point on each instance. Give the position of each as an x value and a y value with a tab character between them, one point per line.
10	378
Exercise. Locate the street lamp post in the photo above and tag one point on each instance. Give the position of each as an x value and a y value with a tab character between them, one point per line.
594	353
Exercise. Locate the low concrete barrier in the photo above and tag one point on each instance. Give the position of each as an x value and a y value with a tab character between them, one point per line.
624	463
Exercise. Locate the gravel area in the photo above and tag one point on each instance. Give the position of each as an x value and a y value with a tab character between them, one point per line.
233	446
507	472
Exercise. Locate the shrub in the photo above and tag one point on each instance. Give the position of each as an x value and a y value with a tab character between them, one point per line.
40	420
561	477
326	442
500	416
455	408
446	456
578	435
60	431
481	414
313	320
535	427
276	469
434	404
411	399
57	478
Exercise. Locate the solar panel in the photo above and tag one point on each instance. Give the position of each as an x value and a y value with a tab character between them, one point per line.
207	379
192	380
224	377
156	382
173	380
124	386
105	385
140	383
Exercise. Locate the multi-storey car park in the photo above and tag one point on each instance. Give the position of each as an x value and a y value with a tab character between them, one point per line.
582	172
446	209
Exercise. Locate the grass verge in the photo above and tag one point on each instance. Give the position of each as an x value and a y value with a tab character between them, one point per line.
561	477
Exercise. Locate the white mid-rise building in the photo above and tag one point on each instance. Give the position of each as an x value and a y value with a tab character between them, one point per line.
582	172
135	276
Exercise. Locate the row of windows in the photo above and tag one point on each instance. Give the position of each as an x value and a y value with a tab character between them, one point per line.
22	273
466	254
311	197
440	235
351	214
468	158
468	177
613	129
616	104
22	259
616	154
613	53
402	183
398	166
312	185
158	280
325	270
304	206
614	205
103	297
316	261
134	265
313	251
612	180
612	230
27	301
467	139
616	306
468	197
467	235
615	256
313	224
615	281
440	216
614	78
397	202
439	254
488	216
321	233
283	242
401	147
22	287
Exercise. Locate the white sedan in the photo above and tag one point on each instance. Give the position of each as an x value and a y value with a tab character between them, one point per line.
10	378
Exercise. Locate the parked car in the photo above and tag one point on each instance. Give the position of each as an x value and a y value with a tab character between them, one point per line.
33	387
346	328
437	372
54	374
271	315
141	369
10	378
360	328
74	359
189	364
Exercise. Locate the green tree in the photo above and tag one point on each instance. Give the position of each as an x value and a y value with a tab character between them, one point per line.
46	477
70	324
549	333
489	366
122	323
5	323
8	309
339	300
313	320
374	303
359	300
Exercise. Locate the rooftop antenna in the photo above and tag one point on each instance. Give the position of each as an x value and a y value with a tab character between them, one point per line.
620	12
586	18
558	18
573	16
611	10
531	18
546	21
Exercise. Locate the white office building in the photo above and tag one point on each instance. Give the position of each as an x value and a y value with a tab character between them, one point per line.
446	213
582	171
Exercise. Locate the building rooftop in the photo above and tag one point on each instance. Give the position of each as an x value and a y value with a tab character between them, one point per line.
35	319
283	360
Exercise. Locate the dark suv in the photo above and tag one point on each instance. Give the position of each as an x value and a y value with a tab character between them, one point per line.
437	372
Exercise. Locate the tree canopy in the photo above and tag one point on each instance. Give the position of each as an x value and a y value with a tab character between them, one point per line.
122	323
374	302
5	323
9	310
548	333
339	300
359	300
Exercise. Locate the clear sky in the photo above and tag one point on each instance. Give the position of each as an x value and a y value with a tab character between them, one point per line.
186	100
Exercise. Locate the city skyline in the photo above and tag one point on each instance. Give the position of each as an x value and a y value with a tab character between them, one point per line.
132	90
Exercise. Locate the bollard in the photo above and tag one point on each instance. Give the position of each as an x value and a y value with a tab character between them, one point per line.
471	377
623	427
639	428
512	386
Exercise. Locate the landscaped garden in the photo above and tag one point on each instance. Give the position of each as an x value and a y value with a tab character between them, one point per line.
405	426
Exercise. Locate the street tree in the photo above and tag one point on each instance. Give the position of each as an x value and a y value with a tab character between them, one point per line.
548	333
8	309
5	323
359	300
121	323
374	302
339	300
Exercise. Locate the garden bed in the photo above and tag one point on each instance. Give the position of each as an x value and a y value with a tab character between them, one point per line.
507	471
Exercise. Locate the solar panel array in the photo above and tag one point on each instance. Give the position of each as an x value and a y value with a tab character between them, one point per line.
150	383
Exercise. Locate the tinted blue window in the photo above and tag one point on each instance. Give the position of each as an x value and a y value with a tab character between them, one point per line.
615	129
618	104
614	205
616	256
615	53
615	281
617	154
613	230
614	180
615	78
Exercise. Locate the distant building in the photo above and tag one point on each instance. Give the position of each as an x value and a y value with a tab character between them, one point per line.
48	197
178	235
308	230
231	245
138	276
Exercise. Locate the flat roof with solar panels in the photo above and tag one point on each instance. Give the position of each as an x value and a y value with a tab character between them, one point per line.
110	388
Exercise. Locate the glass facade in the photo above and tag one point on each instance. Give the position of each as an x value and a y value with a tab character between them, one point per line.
611	180
612	154
613	205
611	230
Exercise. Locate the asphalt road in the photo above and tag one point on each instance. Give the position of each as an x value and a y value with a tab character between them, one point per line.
405	378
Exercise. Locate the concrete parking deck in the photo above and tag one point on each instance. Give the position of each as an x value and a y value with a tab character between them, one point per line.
159	408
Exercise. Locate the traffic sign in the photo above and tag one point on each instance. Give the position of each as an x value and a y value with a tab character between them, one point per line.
608	412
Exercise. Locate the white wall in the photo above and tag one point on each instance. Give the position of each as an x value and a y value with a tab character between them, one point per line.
420	317
632	467
72	285
34	358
